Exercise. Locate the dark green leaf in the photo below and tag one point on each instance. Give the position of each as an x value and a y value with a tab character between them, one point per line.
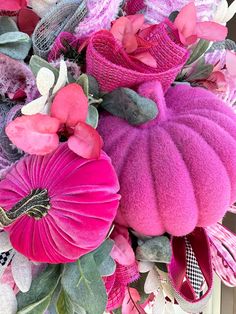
202	71
41	289
7	25
83	283
92	117
36	63
173	16
93	87
117	311
227	44
127	104
107	267
198	50
36	308
64	304
139	285
156	249
103	251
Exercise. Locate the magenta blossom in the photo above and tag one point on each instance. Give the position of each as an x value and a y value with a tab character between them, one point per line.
40	134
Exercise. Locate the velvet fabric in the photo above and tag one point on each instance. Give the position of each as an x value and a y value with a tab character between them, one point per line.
179	170
83	199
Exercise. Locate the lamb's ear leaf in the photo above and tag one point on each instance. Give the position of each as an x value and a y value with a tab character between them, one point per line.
93	116
130	106
36	63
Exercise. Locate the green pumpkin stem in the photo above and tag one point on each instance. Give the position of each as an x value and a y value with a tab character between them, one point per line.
36	205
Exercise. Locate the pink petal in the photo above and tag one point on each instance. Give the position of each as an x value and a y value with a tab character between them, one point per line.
130	305
186	21
86	142
146	58
211	31
122	251
36	134
137	21
70	105
231	63
120	27
130	43
12	5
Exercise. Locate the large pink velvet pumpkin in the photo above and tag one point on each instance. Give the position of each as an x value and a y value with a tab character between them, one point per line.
179	170
74	203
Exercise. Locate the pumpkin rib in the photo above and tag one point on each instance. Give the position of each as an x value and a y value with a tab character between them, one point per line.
223	176
166	220
151	172
221	121
225	135
137	195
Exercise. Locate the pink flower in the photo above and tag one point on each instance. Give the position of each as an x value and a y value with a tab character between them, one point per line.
12	5
231	63
129	31
40	134
190	30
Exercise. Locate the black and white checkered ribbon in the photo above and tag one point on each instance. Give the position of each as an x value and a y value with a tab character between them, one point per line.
193	271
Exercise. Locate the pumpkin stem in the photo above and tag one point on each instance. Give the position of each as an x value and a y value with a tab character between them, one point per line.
35	205
154	91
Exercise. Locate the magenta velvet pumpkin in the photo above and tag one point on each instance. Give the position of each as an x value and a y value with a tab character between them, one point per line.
179	170
77	202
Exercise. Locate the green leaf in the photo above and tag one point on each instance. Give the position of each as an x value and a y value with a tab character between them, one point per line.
7	25
127	104
156	249
199	50
117	311
227	44
106	265
64	304
202	71
13	37
92	117
18	50
173	16
41	290
83	283
93	87
103	251
37	308
139	285
36	63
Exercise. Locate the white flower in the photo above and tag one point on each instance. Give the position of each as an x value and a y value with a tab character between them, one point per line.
224	12
45	82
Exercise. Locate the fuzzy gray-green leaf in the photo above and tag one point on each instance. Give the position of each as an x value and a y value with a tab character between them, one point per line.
156	249
7	25
92	117
127	104
36	63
